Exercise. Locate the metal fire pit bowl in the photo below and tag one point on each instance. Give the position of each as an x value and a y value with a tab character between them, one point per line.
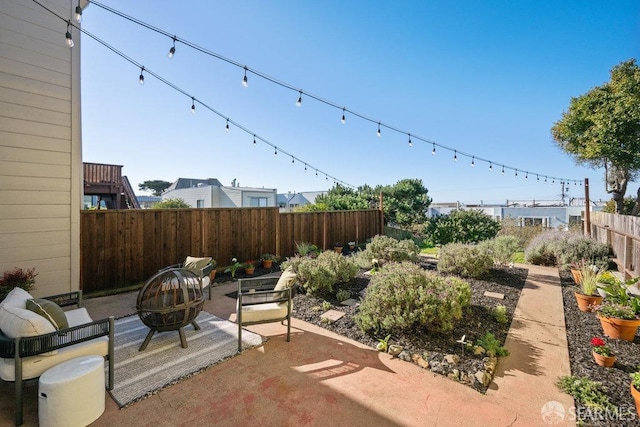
169	301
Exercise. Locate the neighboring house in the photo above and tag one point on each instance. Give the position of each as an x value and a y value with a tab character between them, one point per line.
293	200
210	193
548	214
147	202
41	146
106	188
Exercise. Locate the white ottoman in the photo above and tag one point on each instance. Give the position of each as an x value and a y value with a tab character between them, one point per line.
72	393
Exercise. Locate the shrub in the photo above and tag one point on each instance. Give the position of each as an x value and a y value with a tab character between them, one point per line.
343	295
176	203
561	248
510	227
17	278
586	391
491	344
461	226
500	314
402	296
501	249
322	273
385	248
464	260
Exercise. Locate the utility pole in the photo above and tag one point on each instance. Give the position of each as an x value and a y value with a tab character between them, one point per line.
587	209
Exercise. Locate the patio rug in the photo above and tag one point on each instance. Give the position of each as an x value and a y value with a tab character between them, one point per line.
139	374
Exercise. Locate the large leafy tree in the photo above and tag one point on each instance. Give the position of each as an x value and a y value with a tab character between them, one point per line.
155	186
602	129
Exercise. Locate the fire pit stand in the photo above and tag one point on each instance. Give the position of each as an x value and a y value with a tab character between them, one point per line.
170	300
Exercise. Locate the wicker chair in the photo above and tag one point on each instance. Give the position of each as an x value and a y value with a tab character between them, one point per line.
27	357
264	300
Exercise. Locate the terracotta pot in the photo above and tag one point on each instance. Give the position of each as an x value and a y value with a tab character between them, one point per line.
267	263
619	329
606	361
636	397
577	276
586	302
212	275
249	270
338	249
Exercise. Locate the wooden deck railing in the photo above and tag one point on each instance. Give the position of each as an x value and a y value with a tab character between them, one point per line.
121	248
622	233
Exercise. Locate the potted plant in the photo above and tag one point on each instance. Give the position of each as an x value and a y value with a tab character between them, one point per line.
17	278
249	267
602	354
635	390
619	321
576	268
235	265
588	296
337	246
268	259
214	264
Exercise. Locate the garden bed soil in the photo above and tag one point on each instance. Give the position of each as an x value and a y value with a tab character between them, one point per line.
581	328
476	321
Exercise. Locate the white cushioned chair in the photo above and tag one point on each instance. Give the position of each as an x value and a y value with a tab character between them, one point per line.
30	343
201	267
264	300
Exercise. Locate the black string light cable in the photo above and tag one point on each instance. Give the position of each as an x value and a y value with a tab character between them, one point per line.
194	100
278	82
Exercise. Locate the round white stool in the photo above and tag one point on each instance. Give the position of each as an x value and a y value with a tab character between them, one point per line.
72	393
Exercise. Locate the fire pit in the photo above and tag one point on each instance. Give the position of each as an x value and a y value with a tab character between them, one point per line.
169	301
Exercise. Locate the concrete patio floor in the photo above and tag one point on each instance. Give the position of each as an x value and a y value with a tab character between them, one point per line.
323	379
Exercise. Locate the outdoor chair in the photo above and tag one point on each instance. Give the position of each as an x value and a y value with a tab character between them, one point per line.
36	334
264	300
201	267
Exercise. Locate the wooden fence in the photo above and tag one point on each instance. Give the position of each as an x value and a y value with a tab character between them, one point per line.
121	248
622	233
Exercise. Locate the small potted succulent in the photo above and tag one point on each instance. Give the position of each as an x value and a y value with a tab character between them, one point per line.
602	353
268	259
249	267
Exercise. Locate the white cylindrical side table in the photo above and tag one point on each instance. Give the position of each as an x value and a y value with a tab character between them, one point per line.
72	393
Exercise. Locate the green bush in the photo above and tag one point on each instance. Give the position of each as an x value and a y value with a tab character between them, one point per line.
562	248
492	346
500	314
510	227
402	296
461	226
176	203
384	249
501	249
320	274
464	260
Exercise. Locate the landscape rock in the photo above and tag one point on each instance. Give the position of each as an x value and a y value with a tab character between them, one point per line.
405	355
395	349
452	359
418	360
483	378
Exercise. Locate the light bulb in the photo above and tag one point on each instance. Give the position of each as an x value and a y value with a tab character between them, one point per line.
68	35
275	153
473	162
433	151
245	81
141	80
502	170
305	167
455	155
379	133
292	161
254	140
299	101
193	105
344	119
227	126
410	143
78	14
172	51
490	166
516	172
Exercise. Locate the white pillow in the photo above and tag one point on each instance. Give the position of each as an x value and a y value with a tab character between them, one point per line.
287	279
196	264
17	298
19	322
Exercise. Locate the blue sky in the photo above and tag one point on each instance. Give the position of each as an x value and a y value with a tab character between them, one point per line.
487	79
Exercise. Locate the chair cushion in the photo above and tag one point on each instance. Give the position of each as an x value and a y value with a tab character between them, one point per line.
50	311
17	298
263	312
196	264
287	279
20	322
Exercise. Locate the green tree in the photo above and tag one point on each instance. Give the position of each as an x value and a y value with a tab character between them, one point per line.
629	203
461	226
156	186
340	198
602	129
171	204
405	203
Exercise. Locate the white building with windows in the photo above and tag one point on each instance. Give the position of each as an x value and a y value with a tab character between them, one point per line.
210	193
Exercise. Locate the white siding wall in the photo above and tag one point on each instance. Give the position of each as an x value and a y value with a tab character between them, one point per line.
40	145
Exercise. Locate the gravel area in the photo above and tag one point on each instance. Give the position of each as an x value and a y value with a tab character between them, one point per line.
581	328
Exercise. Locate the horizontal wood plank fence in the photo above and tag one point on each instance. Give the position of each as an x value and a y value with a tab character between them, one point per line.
120	248
622	233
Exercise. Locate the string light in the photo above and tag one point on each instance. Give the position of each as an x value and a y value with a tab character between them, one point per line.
490	166
526	175
516	172
245	81
254	139
344	119
433	151
410	143
292	161
78	13
141	79
473	162
305	167
68	35
193	105
455	155
235	63
275	153
537	177
502	169
172	51
378	133
316	172
227	126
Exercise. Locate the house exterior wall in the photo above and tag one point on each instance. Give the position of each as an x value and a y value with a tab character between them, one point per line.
40	145
220	197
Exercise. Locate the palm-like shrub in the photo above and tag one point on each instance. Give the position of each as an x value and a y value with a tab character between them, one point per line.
403	296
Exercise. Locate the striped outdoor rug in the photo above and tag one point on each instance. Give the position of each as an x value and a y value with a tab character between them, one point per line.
139	374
